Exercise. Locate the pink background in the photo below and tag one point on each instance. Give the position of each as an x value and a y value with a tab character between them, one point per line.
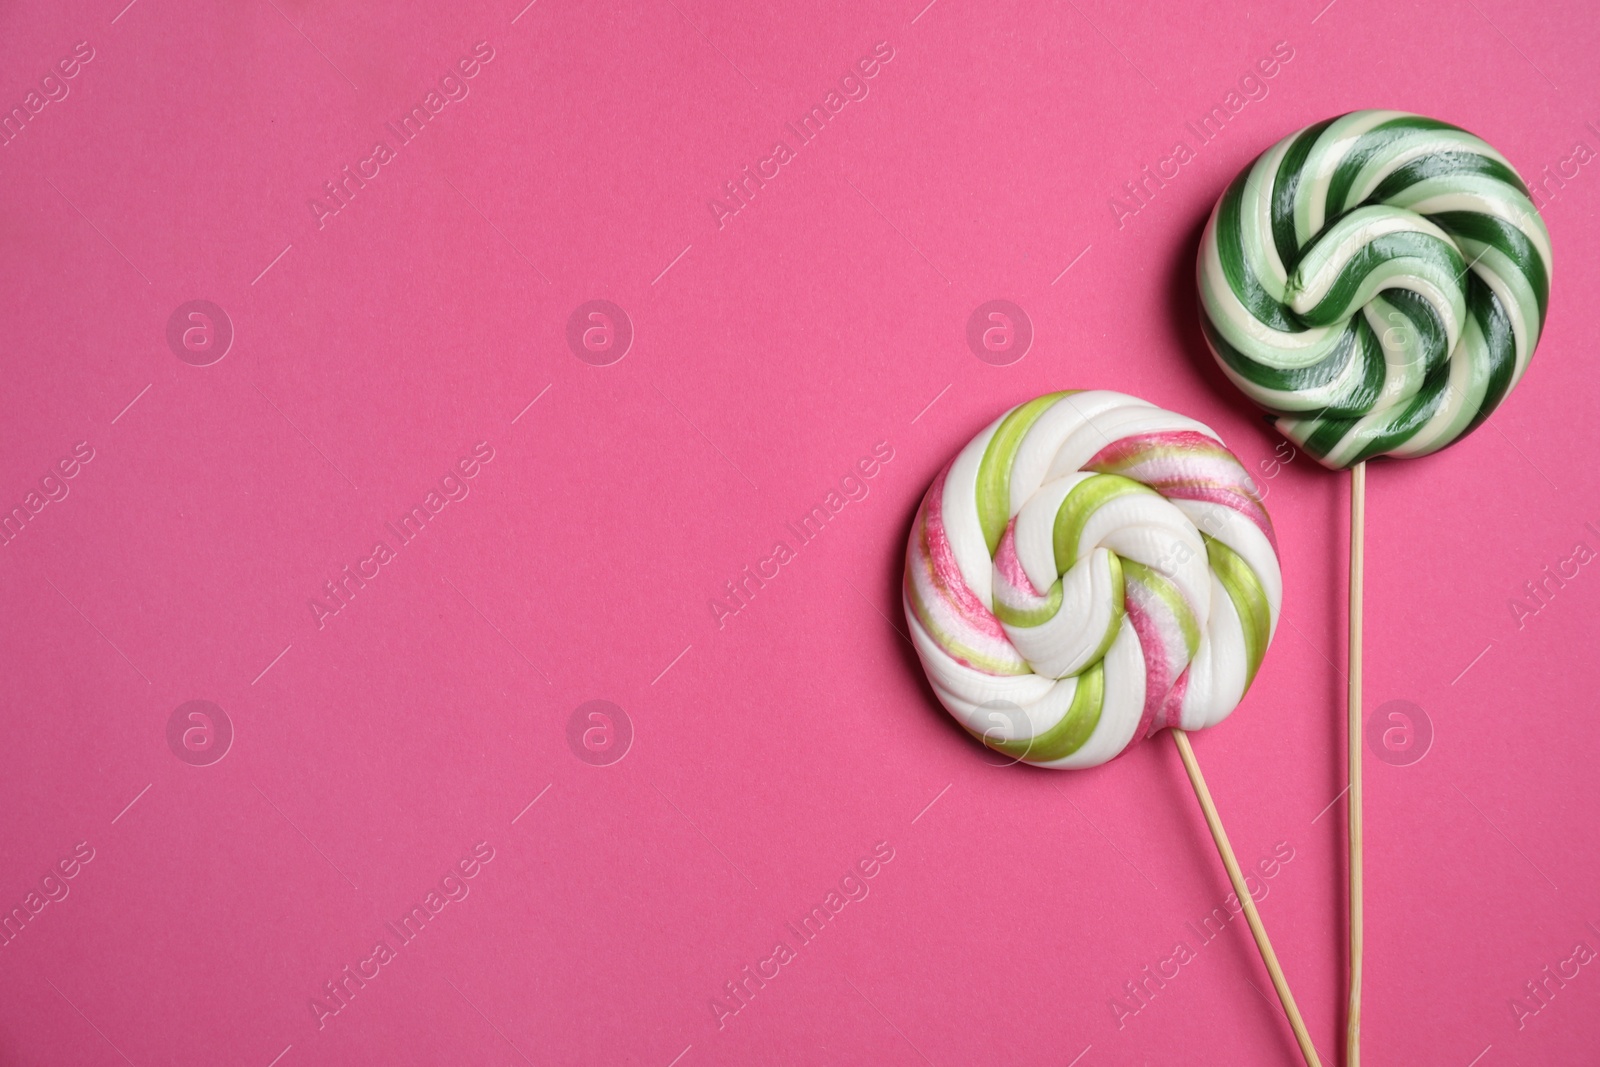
373	351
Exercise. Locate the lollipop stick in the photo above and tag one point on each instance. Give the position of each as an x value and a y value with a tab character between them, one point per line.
1358	508
1240	890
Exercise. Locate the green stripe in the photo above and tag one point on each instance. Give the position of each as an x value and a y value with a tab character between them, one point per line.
1458	164
1118	609
1293	380
1360	396
1068	735
994	472
1236	267
1500	234
1418	122
1030	616
1501	343
1341	299
1372	143
1404	424
1357	341
1249	600
1284	187
1165	590
1328	433
1422	317
1087	497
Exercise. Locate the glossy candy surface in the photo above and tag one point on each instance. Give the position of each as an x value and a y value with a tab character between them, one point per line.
1088	570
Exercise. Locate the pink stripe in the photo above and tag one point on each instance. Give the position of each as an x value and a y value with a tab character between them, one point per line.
1009	565
947	573
1172	709
1157	671
1186	465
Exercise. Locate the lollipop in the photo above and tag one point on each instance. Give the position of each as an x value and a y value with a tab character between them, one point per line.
1378	282
1088	570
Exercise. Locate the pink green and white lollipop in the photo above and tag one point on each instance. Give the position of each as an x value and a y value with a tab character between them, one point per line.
1102	566
1088	570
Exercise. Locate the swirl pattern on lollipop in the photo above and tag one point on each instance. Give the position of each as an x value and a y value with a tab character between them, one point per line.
1090	569
1378	281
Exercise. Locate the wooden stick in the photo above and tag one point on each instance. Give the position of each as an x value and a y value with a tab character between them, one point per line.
1358	508
1240	890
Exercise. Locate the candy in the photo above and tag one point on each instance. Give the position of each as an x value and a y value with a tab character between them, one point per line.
1088	570
1378	281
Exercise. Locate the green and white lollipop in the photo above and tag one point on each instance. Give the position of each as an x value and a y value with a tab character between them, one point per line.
1378	281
